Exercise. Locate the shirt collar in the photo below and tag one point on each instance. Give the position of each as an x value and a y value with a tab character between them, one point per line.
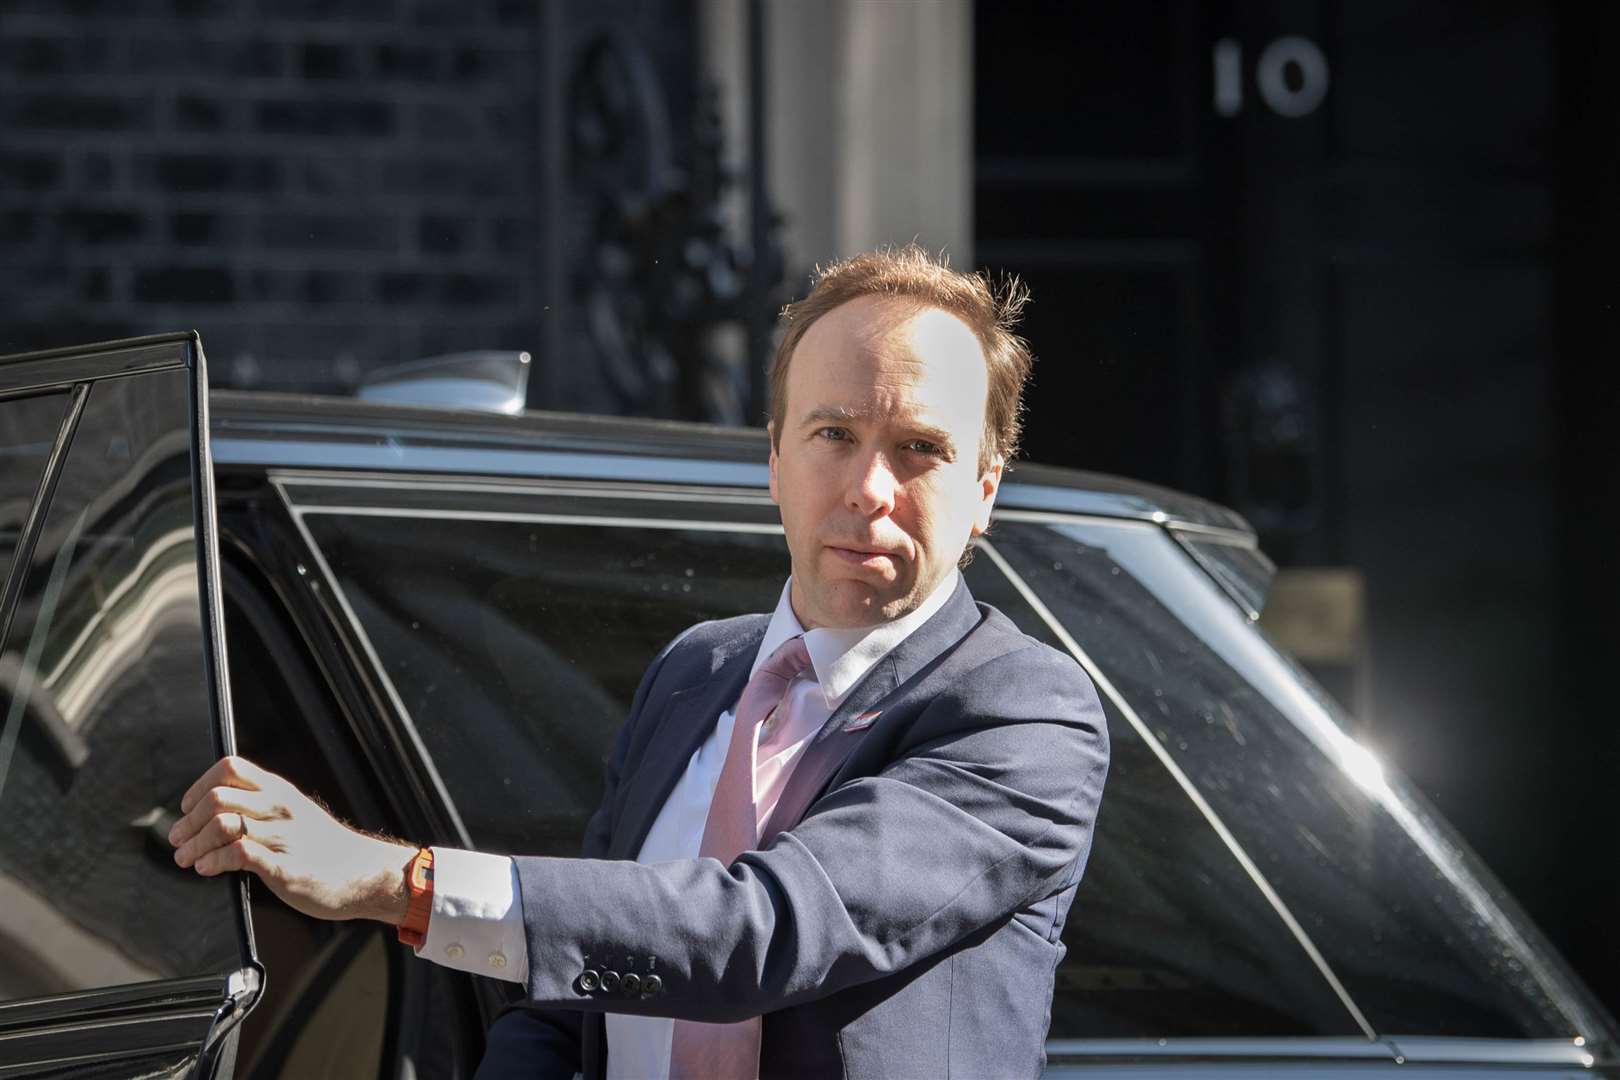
841	658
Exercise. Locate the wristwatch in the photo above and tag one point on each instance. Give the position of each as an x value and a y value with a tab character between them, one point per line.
419	902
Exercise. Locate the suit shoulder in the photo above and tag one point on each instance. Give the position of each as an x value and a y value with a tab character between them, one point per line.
708	643
694	653
719	633
1009	672
1010	645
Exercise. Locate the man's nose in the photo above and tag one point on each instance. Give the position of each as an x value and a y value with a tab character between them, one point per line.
872	488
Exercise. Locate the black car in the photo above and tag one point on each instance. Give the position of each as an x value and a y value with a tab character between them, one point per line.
435	620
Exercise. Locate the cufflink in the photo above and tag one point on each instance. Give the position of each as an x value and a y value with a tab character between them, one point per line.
497	960
454	951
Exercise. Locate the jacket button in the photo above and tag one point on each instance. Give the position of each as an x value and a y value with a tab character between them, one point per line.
610	981
631	983
651	985
589	981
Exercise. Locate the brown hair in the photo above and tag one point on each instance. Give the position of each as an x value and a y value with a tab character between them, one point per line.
989	309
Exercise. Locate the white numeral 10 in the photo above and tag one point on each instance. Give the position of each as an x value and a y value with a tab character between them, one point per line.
1310	84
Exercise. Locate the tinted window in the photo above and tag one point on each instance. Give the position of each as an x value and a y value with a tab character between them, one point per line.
106	714
516	647
1238	567
28	428
1402	916
1168	935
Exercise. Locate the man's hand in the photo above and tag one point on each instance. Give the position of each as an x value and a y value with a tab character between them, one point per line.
238	816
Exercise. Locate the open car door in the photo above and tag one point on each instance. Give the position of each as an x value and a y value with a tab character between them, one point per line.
114	962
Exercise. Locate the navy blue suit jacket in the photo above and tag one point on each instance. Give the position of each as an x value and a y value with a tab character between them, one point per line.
908	925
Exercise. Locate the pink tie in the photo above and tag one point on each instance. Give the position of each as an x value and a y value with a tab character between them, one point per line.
731	1051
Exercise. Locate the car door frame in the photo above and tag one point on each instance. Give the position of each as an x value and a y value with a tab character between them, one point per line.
134	1024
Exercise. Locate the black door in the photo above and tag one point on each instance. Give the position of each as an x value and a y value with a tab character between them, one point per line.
114	962
1303	259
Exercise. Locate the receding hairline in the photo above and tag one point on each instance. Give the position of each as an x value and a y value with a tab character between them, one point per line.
910	311
990	308
895	314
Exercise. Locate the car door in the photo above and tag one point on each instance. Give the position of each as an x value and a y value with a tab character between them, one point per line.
113	961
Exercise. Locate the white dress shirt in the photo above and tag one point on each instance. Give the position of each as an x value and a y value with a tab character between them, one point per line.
477	919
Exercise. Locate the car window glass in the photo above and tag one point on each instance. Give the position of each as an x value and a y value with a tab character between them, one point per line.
106	716
1241	569
28	428
1401	915
516	647
1167	936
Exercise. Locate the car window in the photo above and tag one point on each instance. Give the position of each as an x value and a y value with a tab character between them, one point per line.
516	647
1168	935
1240	568
1421	939
28	428
107	715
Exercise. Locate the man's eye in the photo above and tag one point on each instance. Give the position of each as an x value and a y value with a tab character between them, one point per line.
923	446
834	433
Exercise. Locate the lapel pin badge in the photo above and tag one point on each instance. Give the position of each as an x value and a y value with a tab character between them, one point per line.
863	721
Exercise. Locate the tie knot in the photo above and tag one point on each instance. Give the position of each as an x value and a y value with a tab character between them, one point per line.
790	658
766	689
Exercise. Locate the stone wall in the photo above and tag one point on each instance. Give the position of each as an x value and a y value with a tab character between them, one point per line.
319	186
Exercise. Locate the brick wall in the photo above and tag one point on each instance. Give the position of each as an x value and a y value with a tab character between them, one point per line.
319	186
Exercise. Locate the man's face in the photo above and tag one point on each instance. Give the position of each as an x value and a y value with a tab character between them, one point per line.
876	466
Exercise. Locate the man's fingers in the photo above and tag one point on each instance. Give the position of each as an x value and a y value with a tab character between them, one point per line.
223	800
220	831
244	853
230	771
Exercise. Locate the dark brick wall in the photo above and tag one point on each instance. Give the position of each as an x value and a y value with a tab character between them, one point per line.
319	186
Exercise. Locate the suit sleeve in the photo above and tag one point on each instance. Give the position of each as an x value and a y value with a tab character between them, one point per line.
529	1042
989	808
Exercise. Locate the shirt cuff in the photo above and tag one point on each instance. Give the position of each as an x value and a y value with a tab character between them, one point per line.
477	920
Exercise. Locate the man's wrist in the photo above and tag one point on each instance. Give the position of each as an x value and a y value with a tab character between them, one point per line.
387	898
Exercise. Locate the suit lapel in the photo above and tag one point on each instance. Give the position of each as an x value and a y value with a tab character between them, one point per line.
849	723
688	720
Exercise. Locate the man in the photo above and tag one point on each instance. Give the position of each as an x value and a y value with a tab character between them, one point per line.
841	839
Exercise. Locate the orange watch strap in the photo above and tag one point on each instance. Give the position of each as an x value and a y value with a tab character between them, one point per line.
419	902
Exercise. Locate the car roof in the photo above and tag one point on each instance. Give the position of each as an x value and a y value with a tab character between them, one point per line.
275	430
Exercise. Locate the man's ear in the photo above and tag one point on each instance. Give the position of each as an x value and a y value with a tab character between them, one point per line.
770	429
989	485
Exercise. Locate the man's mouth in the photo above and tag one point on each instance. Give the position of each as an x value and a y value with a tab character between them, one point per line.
862	556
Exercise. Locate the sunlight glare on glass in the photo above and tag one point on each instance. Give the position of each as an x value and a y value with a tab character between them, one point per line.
1361	765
